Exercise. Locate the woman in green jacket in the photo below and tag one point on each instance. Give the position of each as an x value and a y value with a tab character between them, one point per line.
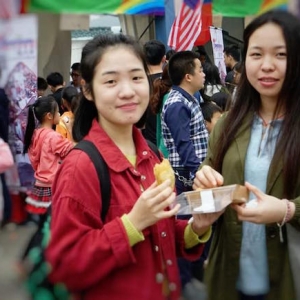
258	144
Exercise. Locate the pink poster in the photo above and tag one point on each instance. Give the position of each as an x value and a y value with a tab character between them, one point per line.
18	65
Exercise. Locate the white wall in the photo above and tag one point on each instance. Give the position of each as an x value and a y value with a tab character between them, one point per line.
77	45
54	46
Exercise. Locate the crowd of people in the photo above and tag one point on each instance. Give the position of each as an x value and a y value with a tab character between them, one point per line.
129	99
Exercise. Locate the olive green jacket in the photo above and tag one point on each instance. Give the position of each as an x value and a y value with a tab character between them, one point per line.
223	267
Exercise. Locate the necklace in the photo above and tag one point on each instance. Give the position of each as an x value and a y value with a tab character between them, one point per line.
267	123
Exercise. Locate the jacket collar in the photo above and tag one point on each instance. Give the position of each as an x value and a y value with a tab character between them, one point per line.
242	139
184	93
112	155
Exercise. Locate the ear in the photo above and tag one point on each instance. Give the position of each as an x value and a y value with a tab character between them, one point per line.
87	94
163	59
49	116
51	88
188	77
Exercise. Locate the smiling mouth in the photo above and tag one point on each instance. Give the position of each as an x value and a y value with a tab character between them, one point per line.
128	106
268	80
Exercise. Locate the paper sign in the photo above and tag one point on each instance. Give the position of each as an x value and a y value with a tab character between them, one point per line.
207	202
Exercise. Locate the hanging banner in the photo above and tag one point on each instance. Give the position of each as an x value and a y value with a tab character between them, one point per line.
153	7
18	63
218	47
237	8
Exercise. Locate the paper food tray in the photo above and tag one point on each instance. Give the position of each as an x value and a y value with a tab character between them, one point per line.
211	200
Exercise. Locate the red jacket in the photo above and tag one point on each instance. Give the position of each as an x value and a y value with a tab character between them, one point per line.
46	152
96	258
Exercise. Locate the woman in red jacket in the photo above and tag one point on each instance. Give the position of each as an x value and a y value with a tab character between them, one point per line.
132	253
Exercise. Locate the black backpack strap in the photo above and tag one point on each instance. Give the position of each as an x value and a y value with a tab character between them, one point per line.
102	171
154	148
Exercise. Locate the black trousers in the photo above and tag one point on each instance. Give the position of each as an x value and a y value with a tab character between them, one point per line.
246	297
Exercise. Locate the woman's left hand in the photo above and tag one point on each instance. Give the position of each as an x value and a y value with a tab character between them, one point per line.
268	209
202	222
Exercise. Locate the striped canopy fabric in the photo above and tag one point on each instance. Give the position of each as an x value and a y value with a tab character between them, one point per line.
229	8
153	7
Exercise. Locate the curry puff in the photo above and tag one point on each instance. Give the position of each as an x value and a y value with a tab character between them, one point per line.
164	171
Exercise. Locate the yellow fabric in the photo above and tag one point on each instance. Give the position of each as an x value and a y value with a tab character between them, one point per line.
134	235
191	239
61	128
132	159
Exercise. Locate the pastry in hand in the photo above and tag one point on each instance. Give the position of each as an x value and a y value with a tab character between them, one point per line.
164	171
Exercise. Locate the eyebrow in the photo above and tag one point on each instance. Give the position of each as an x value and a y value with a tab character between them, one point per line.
115	72
259	48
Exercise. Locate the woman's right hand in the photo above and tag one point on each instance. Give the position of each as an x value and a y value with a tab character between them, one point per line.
207	177
151	206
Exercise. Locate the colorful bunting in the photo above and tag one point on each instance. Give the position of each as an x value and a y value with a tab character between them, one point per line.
271	4
226	8
154	7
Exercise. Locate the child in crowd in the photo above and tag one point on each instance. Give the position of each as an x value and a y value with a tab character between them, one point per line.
69	102
46	149
42	86
211	114
131	254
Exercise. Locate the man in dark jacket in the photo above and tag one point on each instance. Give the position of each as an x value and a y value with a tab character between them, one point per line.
56	83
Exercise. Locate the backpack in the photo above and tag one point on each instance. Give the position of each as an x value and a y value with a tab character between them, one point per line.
38	284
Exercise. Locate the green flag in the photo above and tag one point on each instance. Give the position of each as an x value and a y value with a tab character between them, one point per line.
236	8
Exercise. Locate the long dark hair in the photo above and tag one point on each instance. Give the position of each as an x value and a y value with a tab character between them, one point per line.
161	86
248	100
37	112
92	54
212	75
70	94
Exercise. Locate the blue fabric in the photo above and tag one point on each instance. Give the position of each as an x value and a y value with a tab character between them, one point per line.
183	130
191	3
253	277
197	95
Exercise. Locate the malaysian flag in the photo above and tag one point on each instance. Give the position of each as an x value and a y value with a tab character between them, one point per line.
187	26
